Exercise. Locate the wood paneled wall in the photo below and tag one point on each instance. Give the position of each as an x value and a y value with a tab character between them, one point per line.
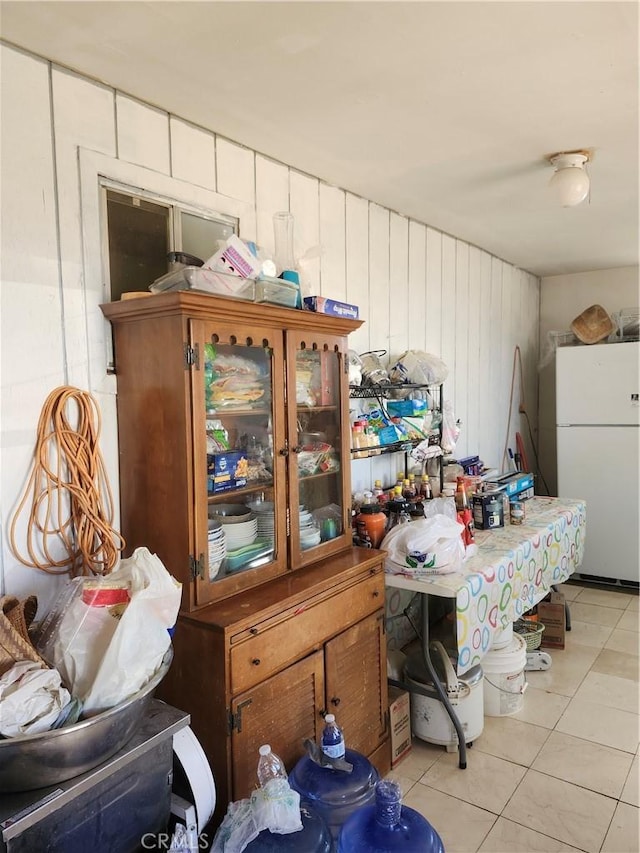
416	287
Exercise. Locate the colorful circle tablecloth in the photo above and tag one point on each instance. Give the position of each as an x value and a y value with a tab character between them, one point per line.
514	568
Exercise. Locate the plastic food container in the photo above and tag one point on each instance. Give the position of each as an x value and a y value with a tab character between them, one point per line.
277	291
206	280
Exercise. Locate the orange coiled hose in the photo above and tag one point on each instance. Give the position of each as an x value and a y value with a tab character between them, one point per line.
71	500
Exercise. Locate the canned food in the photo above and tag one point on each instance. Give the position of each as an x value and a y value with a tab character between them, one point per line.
517	512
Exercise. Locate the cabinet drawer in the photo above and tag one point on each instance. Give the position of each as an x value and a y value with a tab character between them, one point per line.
306	629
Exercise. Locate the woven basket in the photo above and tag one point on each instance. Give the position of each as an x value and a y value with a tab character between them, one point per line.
15	618
530	631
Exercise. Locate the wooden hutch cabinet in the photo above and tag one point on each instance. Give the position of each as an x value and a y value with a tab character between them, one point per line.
234	443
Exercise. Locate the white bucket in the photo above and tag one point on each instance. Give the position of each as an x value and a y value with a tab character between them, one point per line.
504	678
503	638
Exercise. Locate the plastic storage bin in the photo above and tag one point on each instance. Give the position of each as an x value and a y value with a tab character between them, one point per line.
277	291
335	794
199	278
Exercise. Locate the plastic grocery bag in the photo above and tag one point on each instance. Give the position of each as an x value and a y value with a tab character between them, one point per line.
420	368
426	547
31	699
107	653
237	830
274	806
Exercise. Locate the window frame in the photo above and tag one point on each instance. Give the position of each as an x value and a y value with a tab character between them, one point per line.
98	170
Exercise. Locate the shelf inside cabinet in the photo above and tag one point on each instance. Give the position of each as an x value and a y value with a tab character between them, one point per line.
306	477
237	413
228	494
302	409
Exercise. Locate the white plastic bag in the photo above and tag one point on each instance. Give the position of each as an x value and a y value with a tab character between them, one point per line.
106	655
31	699
276	807
420	368
426	547
237	830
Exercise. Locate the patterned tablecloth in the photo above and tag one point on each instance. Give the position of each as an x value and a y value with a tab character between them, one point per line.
514	569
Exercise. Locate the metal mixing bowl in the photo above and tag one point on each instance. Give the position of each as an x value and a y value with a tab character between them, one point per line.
40	760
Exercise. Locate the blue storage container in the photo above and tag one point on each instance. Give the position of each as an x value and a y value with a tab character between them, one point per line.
335	794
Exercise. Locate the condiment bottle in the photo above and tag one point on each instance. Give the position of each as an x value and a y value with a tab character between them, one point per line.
398	510
378	491
425	488
371	525
465	516
409	491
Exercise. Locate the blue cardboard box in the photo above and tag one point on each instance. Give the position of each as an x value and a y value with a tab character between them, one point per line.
514	484
226	471
322	305
407	408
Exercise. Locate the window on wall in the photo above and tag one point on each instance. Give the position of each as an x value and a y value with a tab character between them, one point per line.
140	232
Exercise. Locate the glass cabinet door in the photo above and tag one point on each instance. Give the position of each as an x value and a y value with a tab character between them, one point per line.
319	466
238	468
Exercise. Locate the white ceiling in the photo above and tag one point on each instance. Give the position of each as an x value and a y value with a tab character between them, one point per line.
443	111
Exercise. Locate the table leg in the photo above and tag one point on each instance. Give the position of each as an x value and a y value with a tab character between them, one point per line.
442	694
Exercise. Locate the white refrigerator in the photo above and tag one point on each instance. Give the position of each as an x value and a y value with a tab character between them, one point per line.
597	430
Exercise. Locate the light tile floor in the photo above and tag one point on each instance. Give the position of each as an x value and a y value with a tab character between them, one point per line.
562	774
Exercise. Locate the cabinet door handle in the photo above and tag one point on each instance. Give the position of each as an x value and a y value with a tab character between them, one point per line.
256	661
375	593
335	701
283	451
253	630
297	448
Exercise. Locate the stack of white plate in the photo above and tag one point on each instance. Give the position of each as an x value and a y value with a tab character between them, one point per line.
240	533
309	532
217	547
264	516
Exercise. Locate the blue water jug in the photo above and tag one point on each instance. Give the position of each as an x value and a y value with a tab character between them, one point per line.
314	837
333	793
387	825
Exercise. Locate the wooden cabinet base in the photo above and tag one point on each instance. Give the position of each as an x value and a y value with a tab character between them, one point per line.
269	674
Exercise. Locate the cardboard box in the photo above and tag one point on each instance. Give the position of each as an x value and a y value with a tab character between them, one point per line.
400	724
226	471
513	484
409	408
551	613
322	305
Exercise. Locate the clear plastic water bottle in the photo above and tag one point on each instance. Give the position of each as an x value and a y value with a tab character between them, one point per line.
270	766
332	742
388	826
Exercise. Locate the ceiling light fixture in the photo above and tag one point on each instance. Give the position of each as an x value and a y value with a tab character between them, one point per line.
570	181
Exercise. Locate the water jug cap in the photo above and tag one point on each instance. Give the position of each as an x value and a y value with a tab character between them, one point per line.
329	718
265	749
